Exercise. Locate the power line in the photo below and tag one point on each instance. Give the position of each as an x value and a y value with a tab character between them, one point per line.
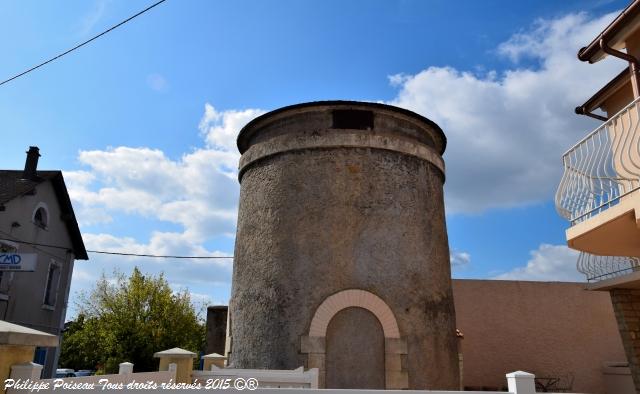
158	255
117	253
82	44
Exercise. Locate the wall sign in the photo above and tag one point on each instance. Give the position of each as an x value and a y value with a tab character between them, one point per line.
18	261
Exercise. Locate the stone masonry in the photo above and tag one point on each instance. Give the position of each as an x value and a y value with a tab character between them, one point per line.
626	305
341	207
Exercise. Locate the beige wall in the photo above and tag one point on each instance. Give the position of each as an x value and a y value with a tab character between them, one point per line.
547	328
620	99
24	305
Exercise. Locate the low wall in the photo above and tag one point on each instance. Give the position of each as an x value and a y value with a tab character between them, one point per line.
552	329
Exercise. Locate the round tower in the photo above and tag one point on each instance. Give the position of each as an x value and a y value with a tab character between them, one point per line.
341	255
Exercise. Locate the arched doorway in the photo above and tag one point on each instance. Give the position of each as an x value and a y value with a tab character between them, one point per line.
355	351
314	345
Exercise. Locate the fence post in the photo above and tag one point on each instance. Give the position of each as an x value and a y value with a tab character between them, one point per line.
25	371
213	359
182	358
521	382
125	368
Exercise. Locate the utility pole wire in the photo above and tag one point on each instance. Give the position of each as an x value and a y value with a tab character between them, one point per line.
114	253
82	44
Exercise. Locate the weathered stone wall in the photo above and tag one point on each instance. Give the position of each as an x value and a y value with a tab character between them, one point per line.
324	210
626	306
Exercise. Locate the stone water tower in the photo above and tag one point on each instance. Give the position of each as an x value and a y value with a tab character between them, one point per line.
341	256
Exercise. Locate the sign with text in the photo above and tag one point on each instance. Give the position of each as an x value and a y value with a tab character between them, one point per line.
18	261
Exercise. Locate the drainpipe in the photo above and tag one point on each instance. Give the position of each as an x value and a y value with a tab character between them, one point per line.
634	65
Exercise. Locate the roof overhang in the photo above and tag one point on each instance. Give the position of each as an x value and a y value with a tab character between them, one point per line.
597	100
614	35
69	217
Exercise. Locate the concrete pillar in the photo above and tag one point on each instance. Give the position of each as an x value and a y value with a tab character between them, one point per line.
17	346
183	359
626	305
30	370
125	368
521	382
216	329
12	355
213	359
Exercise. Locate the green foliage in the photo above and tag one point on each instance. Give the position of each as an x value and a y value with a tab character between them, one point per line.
129	319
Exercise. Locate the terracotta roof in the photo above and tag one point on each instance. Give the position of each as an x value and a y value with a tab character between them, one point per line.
12	186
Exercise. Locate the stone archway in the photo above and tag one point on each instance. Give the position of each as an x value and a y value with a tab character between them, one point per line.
314	344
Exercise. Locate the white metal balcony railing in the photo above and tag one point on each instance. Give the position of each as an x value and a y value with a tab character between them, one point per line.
597	268
602	167
599	170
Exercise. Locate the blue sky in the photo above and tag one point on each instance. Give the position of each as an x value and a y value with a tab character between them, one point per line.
143	120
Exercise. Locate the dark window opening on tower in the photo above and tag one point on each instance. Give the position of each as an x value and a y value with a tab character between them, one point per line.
352	119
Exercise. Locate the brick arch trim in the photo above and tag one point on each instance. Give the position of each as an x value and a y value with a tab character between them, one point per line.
353	298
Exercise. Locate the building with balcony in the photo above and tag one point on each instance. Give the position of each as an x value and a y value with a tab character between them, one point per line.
600	189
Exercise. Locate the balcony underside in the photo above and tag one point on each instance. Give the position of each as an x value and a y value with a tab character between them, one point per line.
612	232
628	281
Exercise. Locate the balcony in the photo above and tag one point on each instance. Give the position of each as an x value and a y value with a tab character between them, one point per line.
600	189
602	268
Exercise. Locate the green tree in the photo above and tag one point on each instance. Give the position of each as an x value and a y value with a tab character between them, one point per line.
129	319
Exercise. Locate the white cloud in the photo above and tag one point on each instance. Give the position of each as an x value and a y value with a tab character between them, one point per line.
458	258
507	131
198	191
548	263
157	82
88	22
220	129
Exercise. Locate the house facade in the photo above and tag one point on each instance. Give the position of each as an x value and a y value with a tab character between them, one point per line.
35	210
599	193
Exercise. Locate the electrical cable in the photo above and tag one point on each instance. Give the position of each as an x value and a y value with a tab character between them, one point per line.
81	44
115	253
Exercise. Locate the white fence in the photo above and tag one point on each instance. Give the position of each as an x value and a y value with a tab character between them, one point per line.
24	379
297	378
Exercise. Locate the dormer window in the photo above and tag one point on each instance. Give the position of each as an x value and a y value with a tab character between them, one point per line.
41	216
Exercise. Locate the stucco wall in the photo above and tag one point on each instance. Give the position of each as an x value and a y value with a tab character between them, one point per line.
547	328
26	294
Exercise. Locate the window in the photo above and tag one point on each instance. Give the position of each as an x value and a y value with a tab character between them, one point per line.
40	355
53	281
352	119
41	216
